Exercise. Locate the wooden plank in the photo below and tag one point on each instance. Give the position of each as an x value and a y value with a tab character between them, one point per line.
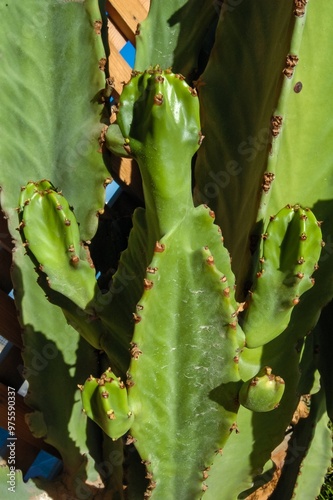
126	15
116	38
145	4
119	69
22	431
126	172
9	324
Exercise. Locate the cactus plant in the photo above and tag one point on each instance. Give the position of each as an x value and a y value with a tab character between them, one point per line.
197	356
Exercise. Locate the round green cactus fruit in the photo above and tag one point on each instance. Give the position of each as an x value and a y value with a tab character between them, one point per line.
104	400
263	392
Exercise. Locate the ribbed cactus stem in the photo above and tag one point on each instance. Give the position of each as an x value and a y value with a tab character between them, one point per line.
163	209
159	119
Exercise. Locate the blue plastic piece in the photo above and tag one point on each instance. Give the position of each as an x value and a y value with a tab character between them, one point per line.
3	441
44	465
128	53
113	190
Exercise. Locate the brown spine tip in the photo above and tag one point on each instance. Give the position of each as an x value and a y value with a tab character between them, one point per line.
212	214
303	237
98	26
300	6
136	318
159	79
130	440
74	260
291	62
105	394
234	427
152	270
147	463
147	284
102	63
210	260
201	138
276	123
158	99
111	415
159	247
267	181
135	351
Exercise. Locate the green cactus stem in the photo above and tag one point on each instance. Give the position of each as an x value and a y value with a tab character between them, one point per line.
169	37
290	250
105	401
169	135
263	392
183	380
51	235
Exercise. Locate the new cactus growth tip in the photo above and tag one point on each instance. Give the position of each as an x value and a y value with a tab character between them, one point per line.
51	236
105	401
289	253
